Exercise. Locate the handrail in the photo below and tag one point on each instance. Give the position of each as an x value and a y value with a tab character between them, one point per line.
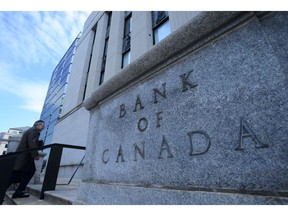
12	154
52	168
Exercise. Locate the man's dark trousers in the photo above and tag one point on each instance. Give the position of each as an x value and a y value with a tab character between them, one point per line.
22	177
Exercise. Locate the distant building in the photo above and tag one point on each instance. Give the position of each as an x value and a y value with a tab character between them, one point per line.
56	93
10	140
3	142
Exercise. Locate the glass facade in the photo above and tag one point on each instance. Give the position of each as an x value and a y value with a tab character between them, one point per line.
56	92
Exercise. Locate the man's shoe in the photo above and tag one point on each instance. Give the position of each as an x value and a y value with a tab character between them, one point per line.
20	195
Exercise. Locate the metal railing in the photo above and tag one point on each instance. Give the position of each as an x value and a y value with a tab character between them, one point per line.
53	164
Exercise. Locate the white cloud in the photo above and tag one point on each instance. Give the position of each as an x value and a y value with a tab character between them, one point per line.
47	35
32	40
31	93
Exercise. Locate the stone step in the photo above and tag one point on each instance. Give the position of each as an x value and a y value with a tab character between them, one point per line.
63	194
31	200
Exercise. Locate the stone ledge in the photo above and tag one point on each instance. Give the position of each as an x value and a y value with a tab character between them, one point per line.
126	195
276	194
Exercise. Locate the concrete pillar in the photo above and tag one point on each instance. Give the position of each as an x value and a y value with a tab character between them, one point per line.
179	18
141	35
114	53
97	55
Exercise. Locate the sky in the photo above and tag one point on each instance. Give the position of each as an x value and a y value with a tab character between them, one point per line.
31	45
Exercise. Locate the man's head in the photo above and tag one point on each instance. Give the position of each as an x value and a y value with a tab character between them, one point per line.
39	125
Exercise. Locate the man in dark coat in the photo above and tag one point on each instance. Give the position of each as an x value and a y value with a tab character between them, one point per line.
24	167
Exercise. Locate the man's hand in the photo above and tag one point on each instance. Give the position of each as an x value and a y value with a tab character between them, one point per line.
37	158
40	143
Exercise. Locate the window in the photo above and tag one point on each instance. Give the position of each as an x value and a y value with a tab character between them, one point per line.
13	132
160	25
103	65
102	73
128	23
126	59
127	39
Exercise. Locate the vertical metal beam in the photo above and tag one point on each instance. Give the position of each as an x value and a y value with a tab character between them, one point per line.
52	169
6	167
76	170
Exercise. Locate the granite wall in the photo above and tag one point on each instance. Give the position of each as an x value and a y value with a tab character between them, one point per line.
199	119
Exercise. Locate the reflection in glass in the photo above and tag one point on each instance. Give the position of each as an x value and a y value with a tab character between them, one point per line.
161	32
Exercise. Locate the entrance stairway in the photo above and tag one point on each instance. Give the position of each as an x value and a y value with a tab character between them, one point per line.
50	188
63	194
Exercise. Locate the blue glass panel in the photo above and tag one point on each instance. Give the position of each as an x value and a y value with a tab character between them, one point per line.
56	92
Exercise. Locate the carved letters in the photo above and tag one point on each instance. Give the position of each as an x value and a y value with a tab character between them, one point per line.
165	147
142	124
198	140
138	104
245	131
141	151
192	144
157	91
186	82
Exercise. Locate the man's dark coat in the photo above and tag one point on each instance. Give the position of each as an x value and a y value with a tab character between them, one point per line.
29	140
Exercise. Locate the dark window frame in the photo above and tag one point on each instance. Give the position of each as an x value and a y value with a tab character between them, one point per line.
126	45
103	64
